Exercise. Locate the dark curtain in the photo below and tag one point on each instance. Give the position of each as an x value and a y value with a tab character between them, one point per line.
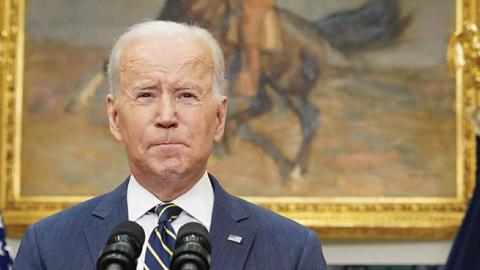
465	252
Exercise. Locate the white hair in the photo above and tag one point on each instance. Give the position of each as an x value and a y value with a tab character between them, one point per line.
163	29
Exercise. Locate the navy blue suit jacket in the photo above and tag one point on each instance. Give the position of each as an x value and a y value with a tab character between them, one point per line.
73	238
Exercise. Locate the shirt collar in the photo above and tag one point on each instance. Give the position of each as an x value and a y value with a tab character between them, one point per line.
196	202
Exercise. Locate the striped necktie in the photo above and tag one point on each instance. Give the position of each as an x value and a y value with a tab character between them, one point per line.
162	239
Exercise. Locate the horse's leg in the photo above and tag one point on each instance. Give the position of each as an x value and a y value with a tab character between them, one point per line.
239	123
309	121
296	97
309	117
266	144
257	106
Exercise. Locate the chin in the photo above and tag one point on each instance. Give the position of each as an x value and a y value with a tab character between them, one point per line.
169	170
168	174
175	167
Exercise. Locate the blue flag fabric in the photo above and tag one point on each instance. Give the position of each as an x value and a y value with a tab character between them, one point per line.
5	259
465	251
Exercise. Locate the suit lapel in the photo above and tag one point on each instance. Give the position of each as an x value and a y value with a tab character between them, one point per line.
230	218
231	231
108	213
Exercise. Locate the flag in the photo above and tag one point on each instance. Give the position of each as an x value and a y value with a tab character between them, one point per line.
5	259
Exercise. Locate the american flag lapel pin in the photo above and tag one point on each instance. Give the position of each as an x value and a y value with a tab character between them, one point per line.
234	238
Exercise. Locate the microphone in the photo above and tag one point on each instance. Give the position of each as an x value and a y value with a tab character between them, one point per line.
192	248
123	247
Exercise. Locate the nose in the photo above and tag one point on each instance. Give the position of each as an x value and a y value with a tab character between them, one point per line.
166	113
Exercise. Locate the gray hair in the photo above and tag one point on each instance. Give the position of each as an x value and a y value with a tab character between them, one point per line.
162	29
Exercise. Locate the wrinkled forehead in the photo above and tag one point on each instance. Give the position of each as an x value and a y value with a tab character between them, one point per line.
169	52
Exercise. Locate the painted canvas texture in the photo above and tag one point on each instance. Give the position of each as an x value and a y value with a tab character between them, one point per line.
326	98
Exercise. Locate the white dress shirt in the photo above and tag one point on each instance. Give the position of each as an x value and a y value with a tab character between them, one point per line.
197	205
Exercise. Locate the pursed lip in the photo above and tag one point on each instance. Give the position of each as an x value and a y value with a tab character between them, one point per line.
167	144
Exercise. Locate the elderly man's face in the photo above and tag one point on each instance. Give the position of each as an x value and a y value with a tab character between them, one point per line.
166	113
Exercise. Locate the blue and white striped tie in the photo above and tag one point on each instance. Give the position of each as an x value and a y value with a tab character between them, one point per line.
162	239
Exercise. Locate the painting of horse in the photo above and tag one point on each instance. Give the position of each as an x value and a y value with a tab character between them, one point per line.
324	96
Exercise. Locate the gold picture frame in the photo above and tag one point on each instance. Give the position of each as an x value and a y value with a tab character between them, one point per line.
342	217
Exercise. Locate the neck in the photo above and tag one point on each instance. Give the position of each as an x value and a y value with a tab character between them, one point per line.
169	187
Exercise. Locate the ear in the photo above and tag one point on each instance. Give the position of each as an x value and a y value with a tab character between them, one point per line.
221	117
112	114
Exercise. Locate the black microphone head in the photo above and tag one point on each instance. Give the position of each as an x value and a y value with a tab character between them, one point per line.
196	230
192	248
123	247
128	231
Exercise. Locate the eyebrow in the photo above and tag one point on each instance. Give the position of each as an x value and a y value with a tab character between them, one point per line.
139	85
185	84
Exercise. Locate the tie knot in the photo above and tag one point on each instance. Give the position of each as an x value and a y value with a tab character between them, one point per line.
168	211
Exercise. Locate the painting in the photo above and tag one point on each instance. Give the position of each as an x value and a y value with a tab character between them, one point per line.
345	113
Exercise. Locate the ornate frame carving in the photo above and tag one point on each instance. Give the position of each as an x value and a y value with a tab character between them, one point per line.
379	217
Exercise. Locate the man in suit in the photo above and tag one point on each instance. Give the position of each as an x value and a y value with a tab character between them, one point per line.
168	107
